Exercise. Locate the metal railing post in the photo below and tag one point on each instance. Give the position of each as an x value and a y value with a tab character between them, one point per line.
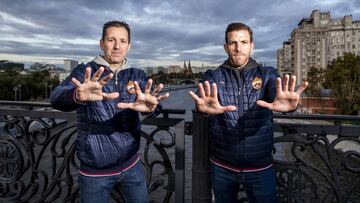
179	162
201	187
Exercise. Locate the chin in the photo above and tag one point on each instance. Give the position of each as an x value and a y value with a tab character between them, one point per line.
117	60
238	63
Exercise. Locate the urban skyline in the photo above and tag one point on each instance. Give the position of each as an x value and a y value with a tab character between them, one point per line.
163	33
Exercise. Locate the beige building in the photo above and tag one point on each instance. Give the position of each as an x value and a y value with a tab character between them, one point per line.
174	69
317	41
284	59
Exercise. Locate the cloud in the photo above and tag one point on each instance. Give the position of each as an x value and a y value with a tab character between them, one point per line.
163	32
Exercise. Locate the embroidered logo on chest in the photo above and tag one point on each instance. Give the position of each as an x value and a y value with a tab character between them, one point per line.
256	83
130	87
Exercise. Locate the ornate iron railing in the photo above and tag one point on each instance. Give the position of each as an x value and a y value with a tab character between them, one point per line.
316	158
38	163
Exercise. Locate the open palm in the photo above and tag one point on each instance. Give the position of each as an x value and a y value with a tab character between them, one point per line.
91	88
208	101
147	101
287	99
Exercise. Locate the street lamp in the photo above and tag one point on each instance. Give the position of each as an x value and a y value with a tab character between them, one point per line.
50	89
46	86
15	91
19	87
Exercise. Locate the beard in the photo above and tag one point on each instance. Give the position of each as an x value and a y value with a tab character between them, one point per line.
239	61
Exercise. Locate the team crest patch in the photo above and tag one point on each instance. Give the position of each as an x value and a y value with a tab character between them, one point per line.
130	87
256	83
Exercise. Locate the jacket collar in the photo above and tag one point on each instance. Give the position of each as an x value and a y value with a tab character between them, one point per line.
250	65
102	62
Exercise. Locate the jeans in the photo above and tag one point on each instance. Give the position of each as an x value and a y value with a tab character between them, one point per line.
259	186
131	182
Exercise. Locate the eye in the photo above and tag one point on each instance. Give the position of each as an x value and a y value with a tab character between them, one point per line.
245	42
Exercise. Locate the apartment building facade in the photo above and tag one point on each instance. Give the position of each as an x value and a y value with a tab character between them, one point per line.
317	41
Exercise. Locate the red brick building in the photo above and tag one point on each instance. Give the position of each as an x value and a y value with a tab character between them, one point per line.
323	105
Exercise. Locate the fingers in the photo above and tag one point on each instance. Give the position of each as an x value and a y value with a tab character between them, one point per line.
214	91
148	86
162	97
278	86
157	89
193	95
76	82
87	74
201	90
106	79
97	74
302	87
285	83
137	88
292	83
207	89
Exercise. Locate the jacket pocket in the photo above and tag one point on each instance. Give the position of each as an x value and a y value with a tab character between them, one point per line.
102	151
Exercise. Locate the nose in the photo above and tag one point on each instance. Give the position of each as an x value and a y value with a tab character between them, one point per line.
116	45
238	46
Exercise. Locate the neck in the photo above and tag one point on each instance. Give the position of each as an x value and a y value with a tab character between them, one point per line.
243	66
116	66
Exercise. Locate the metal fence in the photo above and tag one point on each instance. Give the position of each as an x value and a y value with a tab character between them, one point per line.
316	157
38	161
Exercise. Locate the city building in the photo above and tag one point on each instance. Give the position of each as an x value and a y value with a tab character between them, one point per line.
284	59
69	65
174	69
317	41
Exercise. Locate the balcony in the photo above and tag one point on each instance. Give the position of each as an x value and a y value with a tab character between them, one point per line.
316	157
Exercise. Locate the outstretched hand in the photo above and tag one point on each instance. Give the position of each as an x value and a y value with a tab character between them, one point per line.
287	99
147	101
208	101
91	89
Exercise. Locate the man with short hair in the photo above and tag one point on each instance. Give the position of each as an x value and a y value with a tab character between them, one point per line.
240	96
107	95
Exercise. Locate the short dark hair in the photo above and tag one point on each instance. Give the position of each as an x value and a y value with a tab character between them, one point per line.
238	26
115	24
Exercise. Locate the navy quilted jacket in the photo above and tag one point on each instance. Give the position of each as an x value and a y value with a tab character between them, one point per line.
108	137
243	138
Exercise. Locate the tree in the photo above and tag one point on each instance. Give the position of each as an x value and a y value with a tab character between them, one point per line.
316	79
343	77
33	86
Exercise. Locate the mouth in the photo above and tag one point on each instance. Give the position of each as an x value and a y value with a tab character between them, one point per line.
116	54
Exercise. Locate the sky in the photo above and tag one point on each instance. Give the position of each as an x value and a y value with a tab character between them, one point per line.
162	32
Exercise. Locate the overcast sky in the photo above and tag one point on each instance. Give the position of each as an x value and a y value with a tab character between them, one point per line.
163	32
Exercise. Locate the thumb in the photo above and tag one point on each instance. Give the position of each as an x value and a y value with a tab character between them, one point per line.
124	105
264	104
229	108
111	96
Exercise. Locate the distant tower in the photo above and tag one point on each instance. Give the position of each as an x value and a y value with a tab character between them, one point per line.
188	70
185	68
